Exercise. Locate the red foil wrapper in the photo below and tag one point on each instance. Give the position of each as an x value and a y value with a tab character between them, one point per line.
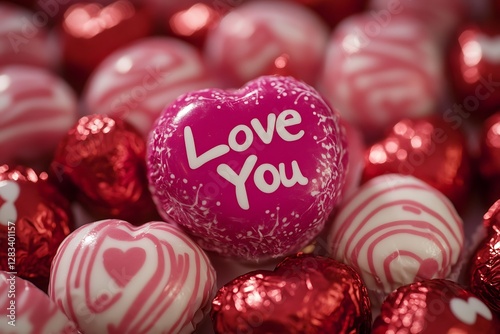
104	158
434	306
35	212
485	271
430	149
304	294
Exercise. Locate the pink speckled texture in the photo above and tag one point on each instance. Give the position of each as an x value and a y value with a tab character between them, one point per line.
263	217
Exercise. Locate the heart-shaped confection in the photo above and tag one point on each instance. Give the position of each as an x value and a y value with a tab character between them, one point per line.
430	149
435	306
251	173
304	294
26	309
112	277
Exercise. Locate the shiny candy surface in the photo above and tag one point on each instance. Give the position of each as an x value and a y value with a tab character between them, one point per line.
269	37
39	216
489	161
304	294
137	82
32	311
396	70
112	277
485	271
36	110
104	158
250	173
430	149
396	230
475	69
491	219
435	306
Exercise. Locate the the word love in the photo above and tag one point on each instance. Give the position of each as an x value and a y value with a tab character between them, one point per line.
275	124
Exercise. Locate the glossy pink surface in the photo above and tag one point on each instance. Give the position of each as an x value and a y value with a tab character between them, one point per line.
251	173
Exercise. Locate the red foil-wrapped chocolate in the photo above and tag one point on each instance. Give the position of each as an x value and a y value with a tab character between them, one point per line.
104	158
430	149
304	294
485	271
91	31
39	216
489	162
434	306
474	63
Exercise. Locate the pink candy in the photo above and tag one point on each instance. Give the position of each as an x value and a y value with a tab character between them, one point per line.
112	277
375	75
259	38
250	173
36	110
137	82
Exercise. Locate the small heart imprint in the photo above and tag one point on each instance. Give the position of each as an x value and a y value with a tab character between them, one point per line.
121	265
467	310
9	192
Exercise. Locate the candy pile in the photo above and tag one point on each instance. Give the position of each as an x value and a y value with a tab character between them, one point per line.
233	166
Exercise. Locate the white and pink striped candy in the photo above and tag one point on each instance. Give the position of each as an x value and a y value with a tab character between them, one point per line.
137	82
375	75
37	108
267	37
26	309
396	230
441	17
25	39
112	277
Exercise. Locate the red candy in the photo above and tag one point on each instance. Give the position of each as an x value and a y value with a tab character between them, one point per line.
475	69
24	38
38	215
304	294
104	159
491	219
430	149
36	110
434	306
91	31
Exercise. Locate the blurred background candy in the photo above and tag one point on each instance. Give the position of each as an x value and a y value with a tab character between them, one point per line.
102	161
268	37
137	82
39	215
25	38
474	66
376	74
36	109
435	306
489	161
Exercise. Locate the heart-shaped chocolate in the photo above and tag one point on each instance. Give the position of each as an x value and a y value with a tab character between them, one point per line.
26	309
252	172
112	277
431	149
304	294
